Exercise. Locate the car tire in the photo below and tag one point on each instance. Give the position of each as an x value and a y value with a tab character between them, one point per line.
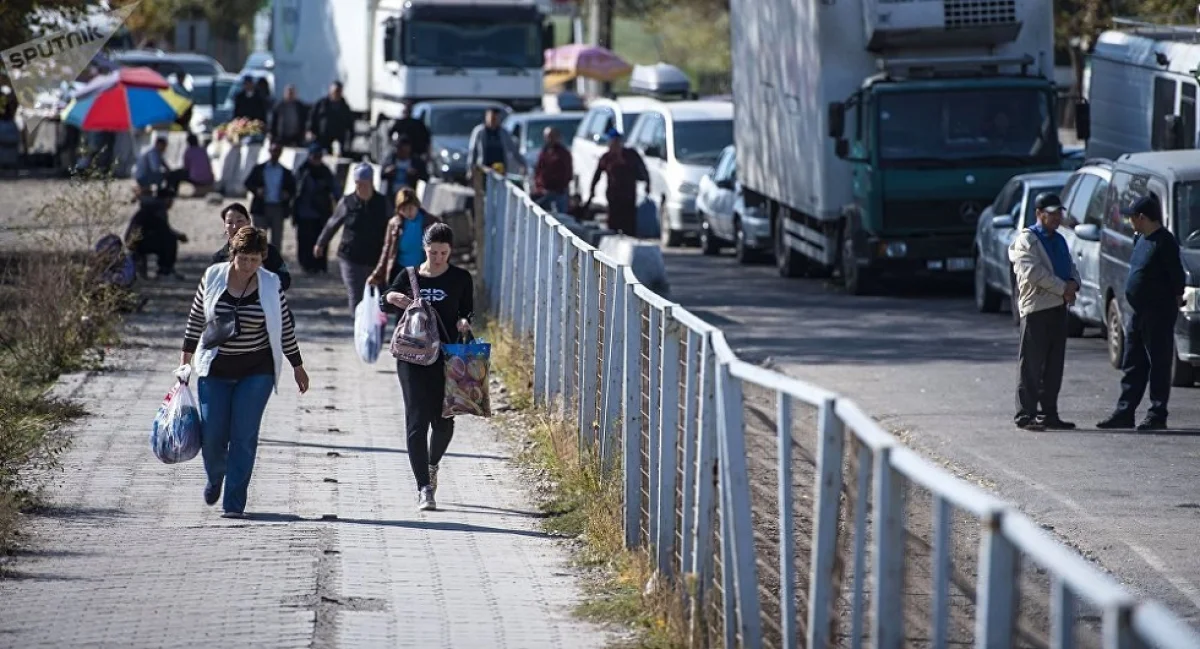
743	254
857	280
709	245
670	238
1183	375
1116	333
987	299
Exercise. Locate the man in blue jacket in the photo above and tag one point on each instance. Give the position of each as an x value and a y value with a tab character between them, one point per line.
1154	291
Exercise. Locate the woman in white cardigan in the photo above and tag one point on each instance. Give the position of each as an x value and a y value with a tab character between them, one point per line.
240	329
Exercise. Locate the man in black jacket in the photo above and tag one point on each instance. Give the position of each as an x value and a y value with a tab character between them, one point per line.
317	193
249	103
365	215
235	217
289	119
414	129
1154	291
331	120
150	233
274	188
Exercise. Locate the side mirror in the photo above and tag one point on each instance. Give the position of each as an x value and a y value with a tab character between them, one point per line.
1003	222
837	119
1088	232
1083	121
842	148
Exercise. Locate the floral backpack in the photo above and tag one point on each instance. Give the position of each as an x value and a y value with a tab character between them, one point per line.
416	339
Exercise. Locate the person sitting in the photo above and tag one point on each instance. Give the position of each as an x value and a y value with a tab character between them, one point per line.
150	233
198	166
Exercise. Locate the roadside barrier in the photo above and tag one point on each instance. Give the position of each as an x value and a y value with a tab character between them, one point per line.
795	519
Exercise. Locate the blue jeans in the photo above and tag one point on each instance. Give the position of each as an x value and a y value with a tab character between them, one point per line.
232	410
557	202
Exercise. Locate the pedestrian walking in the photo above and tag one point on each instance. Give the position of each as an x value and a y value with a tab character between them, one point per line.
250	103
404	245
240	330
235	217
412	128
289	118
317	194
331	120
364	215
624	168
450	291
1047	282
553	172
401	168
273	186
491	145
1154	292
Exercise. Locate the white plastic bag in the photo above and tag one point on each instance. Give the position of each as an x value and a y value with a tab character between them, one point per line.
368	325
175	436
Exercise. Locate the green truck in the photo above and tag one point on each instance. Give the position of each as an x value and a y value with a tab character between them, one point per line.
874	133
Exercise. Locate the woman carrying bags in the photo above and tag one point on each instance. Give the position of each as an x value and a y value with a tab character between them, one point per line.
449	290
404	244
240	329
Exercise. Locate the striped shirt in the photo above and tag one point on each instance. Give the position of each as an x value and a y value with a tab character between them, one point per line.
249	352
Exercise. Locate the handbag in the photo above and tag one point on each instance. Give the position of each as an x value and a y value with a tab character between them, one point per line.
223	327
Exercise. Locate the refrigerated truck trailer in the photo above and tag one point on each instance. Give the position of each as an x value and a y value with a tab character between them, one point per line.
874	133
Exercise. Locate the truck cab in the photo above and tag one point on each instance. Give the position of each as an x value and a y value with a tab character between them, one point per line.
928	152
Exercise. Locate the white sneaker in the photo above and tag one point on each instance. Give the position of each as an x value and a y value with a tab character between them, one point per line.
433	471
425	500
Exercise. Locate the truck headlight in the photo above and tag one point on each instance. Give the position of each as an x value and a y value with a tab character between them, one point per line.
1191	299
894	249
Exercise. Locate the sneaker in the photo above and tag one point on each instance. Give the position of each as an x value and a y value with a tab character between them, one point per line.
433	471
1054	423
425	500
1028	423
212	493
233	515
1152	424
1116	422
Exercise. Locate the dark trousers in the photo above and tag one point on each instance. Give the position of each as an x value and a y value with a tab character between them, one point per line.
354	277
1041	358
160	242
1149	356
622	214
424	388
307	233
272	220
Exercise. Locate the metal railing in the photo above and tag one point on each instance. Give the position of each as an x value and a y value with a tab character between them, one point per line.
801	520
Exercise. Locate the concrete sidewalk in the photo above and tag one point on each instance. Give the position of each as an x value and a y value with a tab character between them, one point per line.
334	553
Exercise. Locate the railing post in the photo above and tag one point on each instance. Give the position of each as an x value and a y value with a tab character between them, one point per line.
541	292
589	320
691	416
525	299
735	504
668	445
614	366
653	415
889	542
570	301
827	493
1118	626
1063	610
631	421
995	590
787	522
702	564
512	277
552	284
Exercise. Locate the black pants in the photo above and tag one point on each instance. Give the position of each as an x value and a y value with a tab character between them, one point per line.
1041	358
424	387
160	242
307	233
1149	356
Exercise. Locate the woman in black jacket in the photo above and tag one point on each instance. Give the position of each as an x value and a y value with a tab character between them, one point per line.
450	291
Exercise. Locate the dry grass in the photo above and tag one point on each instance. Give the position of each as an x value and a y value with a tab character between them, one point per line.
55	318
586	505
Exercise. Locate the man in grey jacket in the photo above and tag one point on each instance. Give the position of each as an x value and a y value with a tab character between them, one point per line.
491	144
1047	282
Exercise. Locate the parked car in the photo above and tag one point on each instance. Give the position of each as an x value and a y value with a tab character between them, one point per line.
590	141
725	219
168	63
998	225
260	60
208	93
1085	199
1174	178
528	128
680	141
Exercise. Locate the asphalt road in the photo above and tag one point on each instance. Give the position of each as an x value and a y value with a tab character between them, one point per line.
928	364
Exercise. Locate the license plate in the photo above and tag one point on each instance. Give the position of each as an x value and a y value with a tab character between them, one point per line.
960	263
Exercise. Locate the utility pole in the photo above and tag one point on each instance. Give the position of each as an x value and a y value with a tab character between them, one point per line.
600	25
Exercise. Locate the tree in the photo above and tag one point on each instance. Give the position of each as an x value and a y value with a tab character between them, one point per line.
228	18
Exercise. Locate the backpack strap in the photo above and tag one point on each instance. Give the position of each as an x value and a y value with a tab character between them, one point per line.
412	282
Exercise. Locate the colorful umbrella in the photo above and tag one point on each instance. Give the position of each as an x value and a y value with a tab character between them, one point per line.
128	99
588	61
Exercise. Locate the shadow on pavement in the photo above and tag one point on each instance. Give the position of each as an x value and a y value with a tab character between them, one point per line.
374	449
416	524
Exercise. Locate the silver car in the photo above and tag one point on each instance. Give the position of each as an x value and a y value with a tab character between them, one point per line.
725	219
997	227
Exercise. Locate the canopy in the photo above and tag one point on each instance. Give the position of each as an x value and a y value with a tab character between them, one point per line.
124	100
587	61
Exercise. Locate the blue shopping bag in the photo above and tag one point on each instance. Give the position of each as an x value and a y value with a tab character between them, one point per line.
647	220
467	368
175	435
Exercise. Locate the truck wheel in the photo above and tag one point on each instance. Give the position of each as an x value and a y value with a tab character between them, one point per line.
987	300
857	280
1183	375
1116	334
789	263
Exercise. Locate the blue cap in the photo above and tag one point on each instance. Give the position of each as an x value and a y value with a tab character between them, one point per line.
612	133
314	149
1147	206
364	172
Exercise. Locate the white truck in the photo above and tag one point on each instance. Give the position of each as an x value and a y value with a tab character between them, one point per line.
873	132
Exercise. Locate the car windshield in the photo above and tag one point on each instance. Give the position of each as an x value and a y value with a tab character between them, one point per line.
701	143
455	121
1186	217
473	44
1030	211
534	130
627	121
986	126
203	95
199	68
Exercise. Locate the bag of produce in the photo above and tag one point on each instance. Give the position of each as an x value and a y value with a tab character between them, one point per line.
467	379
175	436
